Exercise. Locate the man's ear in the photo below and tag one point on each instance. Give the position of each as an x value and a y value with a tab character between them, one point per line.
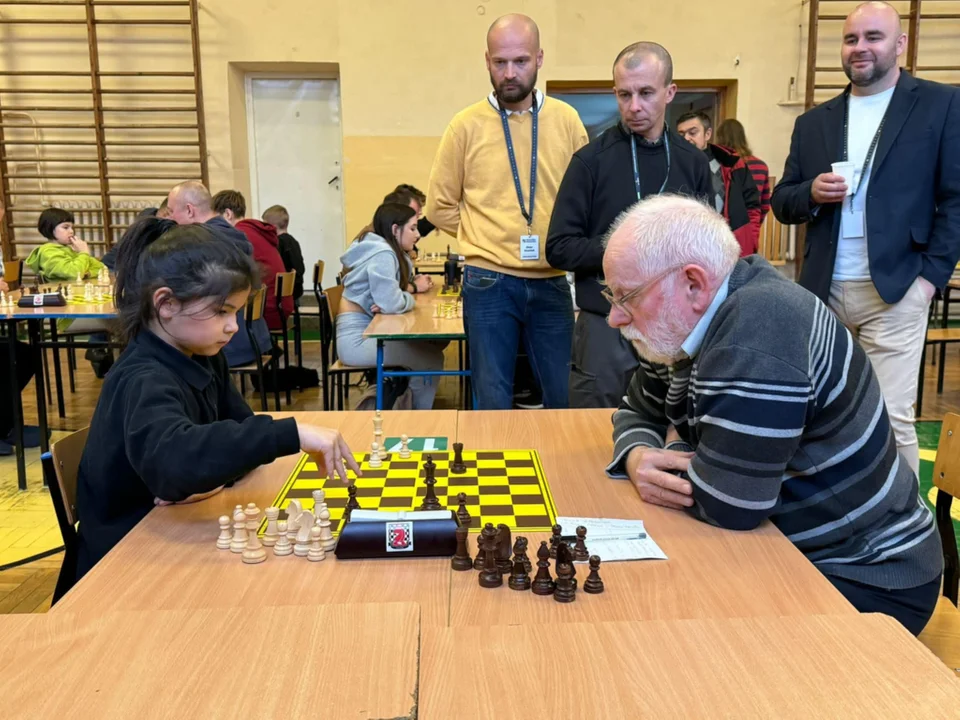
697	285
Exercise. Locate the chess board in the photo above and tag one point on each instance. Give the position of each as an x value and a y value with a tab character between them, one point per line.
452	291
502	486
78	299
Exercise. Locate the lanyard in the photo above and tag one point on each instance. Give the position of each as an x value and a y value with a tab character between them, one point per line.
636	167
528	216
872	149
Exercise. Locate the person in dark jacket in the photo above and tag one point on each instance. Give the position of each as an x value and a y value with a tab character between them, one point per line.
290	252
734	193
599	184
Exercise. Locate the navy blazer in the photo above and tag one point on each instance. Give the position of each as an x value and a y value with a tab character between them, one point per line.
913	201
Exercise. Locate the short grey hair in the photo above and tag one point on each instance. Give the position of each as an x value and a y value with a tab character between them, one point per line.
671	230
634	54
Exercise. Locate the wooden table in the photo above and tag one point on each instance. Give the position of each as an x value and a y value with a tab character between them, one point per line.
331	661
417	324
169	561
861	666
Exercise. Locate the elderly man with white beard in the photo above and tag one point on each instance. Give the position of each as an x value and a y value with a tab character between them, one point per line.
753	402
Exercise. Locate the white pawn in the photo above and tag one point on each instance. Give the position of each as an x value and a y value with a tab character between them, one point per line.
79	277
223	541
404	448
254	553
375	460
302	546
283	542
270	534
316	553
239	541
327	540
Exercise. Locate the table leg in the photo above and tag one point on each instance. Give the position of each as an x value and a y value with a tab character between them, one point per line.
34	327
57	376
379	373
17	405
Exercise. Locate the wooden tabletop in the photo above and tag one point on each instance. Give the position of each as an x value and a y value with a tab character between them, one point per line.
419	323
842	666
331	661
710	572
170	560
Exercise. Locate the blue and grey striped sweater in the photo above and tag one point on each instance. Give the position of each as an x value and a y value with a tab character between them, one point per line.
787	421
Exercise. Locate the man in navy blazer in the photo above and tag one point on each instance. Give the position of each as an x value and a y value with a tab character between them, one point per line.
883	232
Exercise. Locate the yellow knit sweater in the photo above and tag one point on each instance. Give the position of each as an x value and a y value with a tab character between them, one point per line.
472	193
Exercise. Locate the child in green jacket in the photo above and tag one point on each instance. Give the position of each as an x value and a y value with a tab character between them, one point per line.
66	256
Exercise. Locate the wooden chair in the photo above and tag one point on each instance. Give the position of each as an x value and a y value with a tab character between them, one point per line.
325	326
60	468
254	312
13	273
941	336
336	370
283	288
942	633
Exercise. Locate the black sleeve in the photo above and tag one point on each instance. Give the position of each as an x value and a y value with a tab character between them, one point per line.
177	458
703	185
110	257
570	246
943	249
425	227
749	189
791	201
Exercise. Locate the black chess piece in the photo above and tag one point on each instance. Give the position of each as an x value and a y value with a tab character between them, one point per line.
566	591
555	540
519	577
458	467
490	575
461	558
543	583
463	515
430	500
522	545
481	553
352	503
429	467
565	557
504	545
593	584
580	548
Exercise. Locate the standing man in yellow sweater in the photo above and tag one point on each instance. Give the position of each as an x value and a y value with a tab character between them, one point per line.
493	184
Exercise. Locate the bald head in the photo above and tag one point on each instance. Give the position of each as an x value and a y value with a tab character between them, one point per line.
639	53
514	27
189	203
884	12
873	39
513	59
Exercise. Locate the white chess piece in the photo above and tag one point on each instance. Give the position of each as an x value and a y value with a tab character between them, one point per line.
253	517
270	534
239	541
302	546
294	510
79	278
404	448
378	435
253	553
375	460
223	541
315	553
319	498
327	540
99	295
283	542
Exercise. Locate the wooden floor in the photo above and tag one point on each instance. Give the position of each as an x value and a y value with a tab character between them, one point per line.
28	525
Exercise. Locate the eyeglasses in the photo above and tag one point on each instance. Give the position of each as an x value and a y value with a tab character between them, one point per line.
622	301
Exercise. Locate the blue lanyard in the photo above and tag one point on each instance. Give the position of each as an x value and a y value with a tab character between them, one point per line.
636	167
528	216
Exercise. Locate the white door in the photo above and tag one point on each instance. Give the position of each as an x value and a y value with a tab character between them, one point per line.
296	161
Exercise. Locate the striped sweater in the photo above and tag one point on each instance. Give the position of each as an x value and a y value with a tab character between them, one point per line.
761	176
787	422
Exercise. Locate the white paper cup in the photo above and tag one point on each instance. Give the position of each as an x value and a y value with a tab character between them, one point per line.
847	169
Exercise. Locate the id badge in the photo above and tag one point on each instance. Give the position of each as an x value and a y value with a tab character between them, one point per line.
529	247
851	224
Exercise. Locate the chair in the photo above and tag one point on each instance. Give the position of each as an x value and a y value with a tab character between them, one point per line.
13	273
60	468
336	370
941	336
325	326
283	288
254	312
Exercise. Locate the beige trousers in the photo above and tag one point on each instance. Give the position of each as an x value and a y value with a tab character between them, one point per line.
892	336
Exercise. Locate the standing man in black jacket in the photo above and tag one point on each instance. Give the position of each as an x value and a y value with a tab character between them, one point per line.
638	157
878	249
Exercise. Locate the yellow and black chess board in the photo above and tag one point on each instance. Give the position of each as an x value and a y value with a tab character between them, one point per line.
502	486
449	291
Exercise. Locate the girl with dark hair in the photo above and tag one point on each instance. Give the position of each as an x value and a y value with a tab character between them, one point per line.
378	273
170	425
66	256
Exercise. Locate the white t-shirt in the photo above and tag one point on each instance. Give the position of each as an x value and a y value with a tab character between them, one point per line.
866	112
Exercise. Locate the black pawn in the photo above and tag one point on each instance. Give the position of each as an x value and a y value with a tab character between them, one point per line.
458	467
490	576
352	503
522	554
594	585
566	591
463	514
461	558
555	540
519	578
504	546
580	548
430	500
543	582
481	553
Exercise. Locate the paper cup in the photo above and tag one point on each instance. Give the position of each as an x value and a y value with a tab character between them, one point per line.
846	169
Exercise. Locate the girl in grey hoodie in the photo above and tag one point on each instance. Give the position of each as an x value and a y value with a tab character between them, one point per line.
379	278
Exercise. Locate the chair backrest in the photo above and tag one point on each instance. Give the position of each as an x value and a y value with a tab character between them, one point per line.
66	463
318	268
13	272
333	300
255	305
283	284
946	478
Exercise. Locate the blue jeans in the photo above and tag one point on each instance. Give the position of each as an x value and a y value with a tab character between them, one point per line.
496	307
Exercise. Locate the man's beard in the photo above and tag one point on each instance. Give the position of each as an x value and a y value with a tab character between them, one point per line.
514	91
661	344
866	78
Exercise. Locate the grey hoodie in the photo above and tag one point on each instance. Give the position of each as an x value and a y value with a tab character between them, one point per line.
374	275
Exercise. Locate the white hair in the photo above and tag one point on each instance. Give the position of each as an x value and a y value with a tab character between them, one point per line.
671	230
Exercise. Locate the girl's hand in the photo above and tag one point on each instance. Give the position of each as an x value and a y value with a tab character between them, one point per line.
375	309
329	450
423	283
80	246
